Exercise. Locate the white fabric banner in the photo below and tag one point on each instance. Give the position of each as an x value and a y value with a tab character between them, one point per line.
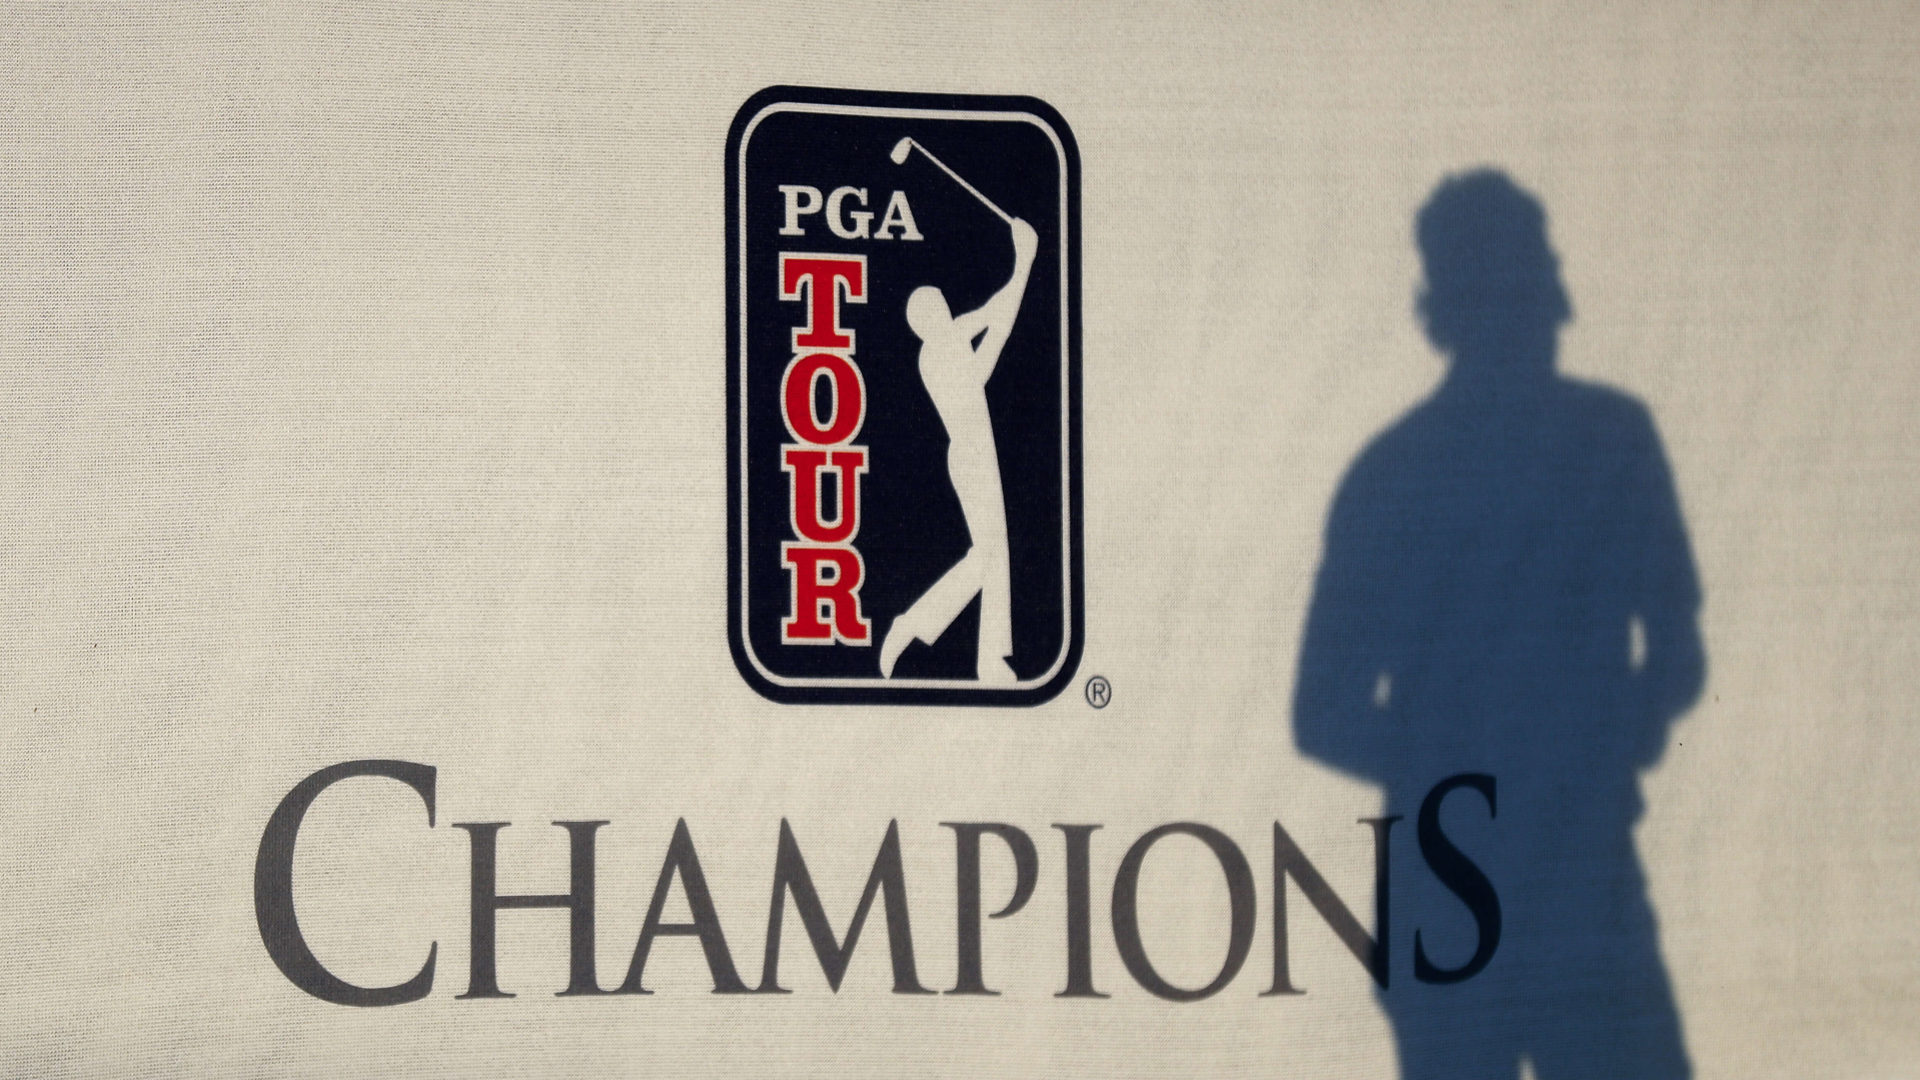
366	399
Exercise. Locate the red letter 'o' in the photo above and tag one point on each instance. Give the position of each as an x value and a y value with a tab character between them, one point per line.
846	399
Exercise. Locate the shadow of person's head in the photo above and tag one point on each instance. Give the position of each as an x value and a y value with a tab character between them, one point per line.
1492	299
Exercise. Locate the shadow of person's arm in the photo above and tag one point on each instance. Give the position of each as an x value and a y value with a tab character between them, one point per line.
1343	691
1666	600
993	322
1670	680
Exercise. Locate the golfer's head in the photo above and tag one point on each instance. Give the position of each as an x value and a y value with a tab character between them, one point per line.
928	314
1492	292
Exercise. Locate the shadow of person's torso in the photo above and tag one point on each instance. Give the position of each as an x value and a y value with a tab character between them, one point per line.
1507	590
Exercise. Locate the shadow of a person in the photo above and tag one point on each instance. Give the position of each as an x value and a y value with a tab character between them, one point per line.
1506	589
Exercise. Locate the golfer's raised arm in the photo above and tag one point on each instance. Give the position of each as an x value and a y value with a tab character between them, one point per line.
997	315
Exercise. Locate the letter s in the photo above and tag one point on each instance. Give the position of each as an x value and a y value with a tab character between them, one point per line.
273	889
1459	874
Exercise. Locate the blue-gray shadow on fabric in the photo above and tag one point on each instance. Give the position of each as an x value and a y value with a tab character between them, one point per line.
1507	589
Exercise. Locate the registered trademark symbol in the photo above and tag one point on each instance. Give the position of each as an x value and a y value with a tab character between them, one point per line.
1099	691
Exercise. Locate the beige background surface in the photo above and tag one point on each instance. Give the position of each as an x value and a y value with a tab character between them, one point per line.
363	390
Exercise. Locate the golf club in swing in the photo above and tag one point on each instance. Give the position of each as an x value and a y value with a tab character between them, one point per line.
908	145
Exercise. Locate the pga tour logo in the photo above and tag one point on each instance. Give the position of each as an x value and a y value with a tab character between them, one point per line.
903	378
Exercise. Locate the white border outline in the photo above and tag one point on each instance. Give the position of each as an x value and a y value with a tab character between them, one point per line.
1066	402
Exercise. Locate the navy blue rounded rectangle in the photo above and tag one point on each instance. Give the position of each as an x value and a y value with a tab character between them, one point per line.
903	398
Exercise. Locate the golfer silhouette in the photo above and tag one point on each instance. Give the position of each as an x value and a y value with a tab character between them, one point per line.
957	357
1507	590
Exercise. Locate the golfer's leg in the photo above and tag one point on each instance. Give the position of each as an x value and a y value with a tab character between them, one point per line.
930	615
996	621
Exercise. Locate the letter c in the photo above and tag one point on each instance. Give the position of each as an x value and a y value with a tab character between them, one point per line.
273	889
